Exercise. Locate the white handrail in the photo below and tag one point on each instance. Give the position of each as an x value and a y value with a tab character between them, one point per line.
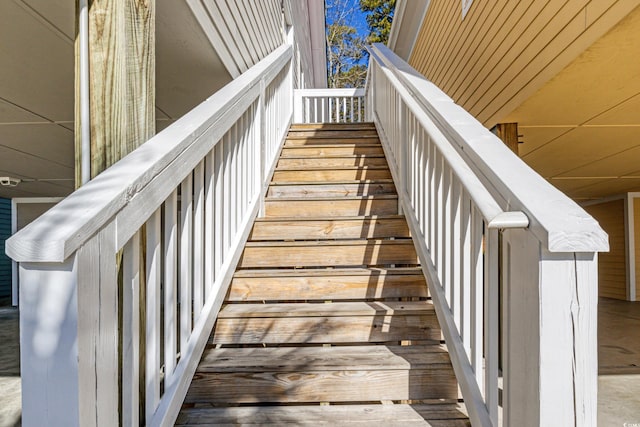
174	214
495	216
61	231
490	277
516	184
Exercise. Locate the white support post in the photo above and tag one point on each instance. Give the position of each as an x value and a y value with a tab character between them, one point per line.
550	345
72	374
48	343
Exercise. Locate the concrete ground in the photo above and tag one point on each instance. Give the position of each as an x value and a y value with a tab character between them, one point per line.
619	363
618	382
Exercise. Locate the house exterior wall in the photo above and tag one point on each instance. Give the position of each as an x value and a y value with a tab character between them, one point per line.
636	243
309	42
5	262
612	265
501	52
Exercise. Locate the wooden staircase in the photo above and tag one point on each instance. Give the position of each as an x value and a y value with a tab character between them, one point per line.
328	319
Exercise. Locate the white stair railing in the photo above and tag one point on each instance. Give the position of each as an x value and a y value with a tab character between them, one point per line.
174	214
511	262
329	106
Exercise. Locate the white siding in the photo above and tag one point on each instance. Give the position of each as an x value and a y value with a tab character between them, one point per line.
241	31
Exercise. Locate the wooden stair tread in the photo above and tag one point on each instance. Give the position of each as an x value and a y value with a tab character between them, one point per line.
288	359
327	284
331	175
317	140
329	228
444	414
328	150
381	204
318	190
327	253
325	199
377	271
332	243
332	168
326	133
334	309
331	218
332	126
333	183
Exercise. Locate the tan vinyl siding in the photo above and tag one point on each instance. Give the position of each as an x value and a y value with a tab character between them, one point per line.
612	277
636	241
503	51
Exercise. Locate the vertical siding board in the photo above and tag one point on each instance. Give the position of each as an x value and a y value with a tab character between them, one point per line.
447	27
249	7
234	22
223	28
467	41
242	20
506	22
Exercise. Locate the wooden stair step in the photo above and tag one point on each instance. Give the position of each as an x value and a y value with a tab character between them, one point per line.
318	140
295	228
328	253
336	309
444	414
332	174
332	190
327	284
333	162
343	206
339	150
334	358
331	133
336	322
315	374
332	126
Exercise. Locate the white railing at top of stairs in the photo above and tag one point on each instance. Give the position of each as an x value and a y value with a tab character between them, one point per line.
511	262
174	214
329	105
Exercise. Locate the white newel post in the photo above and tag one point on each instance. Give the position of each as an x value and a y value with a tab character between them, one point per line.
70	372
550	340
49	343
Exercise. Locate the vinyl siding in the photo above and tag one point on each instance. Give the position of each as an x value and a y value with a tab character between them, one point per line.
242	31
503	51
636	241
5	262
612	280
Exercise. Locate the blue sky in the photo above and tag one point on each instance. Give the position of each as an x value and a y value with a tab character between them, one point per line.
357	18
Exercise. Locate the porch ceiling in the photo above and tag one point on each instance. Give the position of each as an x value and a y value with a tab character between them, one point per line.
582	129
37	86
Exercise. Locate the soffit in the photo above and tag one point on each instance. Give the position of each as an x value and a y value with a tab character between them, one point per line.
581	130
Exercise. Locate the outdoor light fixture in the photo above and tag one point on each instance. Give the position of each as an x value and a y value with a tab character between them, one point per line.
7	181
